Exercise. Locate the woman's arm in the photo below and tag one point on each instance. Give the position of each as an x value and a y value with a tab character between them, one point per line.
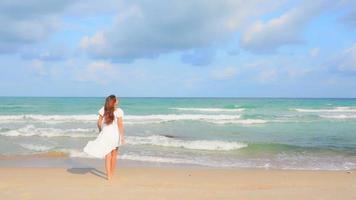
99	123
120	124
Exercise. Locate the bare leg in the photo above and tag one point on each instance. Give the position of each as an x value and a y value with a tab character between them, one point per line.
113	161
108	165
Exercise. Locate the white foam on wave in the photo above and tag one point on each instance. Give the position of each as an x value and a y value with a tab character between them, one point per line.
341	112
213	145
135	119
128	119
31	130
49	118
241	121
166	117
331	110
309	164
156	140
215	119
284	161
143	158
210	109
174	160
135	157
159	159
174	117
338	116
36	147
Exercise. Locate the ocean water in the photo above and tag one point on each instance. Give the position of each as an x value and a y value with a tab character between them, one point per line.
313	134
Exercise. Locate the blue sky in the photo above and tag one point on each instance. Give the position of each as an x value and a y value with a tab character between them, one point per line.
227	48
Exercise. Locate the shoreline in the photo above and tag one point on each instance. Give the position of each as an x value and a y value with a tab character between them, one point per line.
63	161
175	183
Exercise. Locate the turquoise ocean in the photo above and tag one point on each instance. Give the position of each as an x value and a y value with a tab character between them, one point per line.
276	133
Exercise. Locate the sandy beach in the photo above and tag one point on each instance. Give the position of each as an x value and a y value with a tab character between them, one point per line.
175	183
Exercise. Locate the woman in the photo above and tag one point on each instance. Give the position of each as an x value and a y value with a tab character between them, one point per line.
111	136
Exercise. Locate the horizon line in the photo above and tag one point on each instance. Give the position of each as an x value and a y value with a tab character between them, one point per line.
225	97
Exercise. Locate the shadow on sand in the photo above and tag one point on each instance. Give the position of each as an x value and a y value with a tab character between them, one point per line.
87	170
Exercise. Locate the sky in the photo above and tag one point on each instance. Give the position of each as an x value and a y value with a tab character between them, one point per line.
178	48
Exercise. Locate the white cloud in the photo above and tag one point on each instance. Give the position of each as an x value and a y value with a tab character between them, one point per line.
350	17
314	52
346	61
101	72
27	22
273	68
97	40
285	29
37	67
224	73
85	8
53	53
267	75
150	28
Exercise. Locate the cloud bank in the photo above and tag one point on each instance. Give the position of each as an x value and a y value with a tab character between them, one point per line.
28	22
286	29
146	29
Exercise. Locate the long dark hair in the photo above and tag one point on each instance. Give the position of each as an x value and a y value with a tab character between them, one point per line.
109	109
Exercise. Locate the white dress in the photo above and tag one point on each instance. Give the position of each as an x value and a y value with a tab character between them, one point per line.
108	139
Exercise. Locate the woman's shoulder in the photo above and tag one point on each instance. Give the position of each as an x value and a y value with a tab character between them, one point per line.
119	112
101	111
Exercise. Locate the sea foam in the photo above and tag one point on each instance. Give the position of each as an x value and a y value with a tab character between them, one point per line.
31	130
213	145
155	159
338	116
331	110
36	147
210	109
136	157
332	113
157	140
128	119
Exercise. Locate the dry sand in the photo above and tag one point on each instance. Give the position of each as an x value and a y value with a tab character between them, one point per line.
175	183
